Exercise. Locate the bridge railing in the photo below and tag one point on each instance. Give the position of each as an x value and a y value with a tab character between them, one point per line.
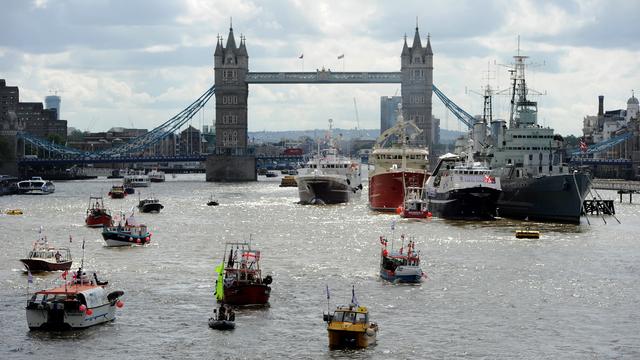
234	151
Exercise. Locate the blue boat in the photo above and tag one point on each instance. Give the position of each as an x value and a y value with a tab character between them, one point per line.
400	266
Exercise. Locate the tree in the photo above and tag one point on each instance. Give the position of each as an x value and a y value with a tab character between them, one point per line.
55	138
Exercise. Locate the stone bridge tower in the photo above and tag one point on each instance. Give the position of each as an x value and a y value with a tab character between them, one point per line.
417	86
231	162
231	65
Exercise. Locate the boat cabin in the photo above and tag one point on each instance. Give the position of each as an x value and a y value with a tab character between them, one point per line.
350	314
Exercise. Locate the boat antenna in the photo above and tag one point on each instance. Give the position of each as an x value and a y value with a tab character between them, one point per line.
328	297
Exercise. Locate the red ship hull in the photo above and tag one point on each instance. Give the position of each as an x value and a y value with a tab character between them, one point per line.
250	294
408	214
98	221
386	191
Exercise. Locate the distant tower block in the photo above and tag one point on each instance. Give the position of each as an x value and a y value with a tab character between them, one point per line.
53	102
417	86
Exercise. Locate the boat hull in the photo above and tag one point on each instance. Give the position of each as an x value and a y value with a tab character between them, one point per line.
34	265
58	316
386	190
250	294
98	221
149	208
117	195
556	198
221	324
114	239
402	274
323	190
351	339
473	203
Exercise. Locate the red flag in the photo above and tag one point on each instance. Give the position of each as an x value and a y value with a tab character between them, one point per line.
64	274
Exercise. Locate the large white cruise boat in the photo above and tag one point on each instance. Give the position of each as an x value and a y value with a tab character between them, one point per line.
329	178
36	185
137	179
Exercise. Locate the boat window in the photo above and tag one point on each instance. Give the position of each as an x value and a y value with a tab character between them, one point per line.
349	317
361	318
338	315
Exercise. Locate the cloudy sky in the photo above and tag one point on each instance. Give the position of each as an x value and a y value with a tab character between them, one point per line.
137	63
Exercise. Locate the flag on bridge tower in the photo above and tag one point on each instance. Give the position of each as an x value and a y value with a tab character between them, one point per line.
341	56
301	56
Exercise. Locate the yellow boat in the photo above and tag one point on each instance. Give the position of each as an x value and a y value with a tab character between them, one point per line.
288	181
527	234
349	327
13	212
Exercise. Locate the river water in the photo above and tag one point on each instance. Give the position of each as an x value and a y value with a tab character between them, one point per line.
574	293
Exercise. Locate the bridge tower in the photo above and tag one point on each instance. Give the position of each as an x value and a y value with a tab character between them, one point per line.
231	162
417	85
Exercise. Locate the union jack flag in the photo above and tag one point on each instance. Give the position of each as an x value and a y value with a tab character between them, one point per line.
583	146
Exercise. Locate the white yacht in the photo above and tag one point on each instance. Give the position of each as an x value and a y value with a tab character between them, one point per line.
36	185
156	175
136	179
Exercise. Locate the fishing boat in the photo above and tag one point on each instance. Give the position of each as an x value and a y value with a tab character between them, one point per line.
398	164
150	205
400	266
415	206
240	277
13	212
328	177
117	192
35	185
223	319
44	257
288	181
81	302
127	232
156	175
462	189
349	326
97	214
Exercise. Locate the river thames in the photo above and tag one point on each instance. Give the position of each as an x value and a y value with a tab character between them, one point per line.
573	293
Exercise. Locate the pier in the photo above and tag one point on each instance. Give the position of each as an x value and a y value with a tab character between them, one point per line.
621	186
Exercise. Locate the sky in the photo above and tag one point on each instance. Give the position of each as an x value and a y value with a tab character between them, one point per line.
137	63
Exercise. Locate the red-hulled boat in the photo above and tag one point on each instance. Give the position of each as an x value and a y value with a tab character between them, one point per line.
242	277
97	214
397	166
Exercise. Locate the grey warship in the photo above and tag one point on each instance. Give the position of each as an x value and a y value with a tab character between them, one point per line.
536	184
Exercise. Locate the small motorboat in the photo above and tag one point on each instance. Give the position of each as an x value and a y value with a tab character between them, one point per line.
212	202
13	212
527	234
117	192
150	205
223	319
240	277
415	207
271	174
349	326
36	186
79	303
156	175
128	232
44	257
128	189
400	266
288	181
97	214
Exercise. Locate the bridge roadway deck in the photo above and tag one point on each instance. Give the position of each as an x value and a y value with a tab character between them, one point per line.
324	77
135	159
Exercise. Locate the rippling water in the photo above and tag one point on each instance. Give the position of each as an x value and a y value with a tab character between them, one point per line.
573	293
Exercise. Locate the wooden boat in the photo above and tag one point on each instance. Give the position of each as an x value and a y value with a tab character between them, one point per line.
527	234
403	265
97	214
117	192
44	257
150	205
223	319
79	303
349	327
288	181
128	232
240	277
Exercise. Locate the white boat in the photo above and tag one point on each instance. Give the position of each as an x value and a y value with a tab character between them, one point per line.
156	175
79	303
329	178
36	185
137	179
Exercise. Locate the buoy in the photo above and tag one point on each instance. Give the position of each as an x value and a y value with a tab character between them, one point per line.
385	252
89	312
130	239
137	241
119	303
146	239
429	214
82	308
399	210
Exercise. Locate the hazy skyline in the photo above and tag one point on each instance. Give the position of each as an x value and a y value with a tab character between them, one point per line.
137	63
